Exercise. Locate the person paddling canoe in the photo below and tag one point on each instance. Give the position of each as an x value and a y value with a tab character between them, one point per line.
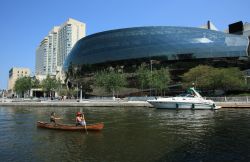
53	118
80	120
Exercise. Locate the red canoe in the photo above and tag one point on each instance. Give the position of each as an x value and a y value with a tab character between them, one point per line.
90	127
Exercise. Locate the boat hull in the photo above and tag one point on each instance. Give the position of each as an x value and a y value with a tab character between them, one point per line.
191	100
183	105
90	127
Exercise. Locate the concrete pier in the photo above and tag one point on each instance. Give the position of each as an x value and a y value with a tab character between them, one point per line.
80	104
233	104
108	103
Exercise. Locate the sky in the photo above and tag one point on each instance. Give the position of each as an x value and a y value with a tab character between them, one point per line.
24	23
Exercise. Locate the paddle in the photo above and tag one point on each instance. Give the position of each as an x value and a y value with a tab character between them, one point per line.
85	123
86	128
83	117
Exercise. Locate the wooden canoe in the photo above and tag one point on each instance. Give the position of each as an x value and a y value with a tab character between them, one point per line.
90	127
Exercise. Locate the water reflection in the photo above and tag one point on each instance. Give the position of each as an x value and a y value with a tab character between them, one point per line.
130	134
213	136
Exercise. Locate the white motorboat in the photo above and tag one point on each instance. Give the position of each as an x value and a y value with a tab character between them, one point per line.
191	100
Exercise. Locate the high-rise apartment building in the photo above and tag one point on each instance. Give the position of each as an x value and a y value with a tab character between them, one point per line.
55	47
70	32
46	54
14	74
41	55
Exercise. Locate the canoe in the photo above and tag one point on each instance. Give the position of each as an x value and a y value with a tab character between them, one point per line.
90	127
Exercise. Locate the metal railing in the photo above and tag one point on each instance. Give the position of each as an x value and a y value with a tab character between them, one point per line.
215	99
244	99
229	99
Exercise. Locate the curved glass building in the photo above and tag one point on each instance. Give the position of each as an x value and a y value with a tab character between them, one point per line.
174	47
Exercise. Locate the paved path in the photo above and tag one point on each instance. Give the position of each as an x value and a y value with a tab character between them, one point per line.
233	104
80	104
98	103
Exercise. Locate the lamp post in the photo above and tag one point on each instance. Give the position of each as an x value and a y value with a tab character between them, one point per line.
151	69
77	89
81	94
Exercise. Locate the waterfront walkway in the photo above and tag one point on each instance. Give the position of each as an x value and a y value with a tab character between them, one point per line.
233	104
107	103
92	103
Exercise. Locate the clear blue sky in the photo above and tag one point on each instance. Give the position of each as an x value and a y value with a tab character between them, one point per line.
24	23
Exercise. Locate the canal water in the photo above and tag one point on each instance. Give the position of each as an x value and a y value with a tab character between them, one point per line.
130	134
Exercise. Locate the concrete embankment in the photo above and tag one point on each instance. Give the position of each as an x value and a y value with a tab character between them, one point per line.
233	104
80	104
109	104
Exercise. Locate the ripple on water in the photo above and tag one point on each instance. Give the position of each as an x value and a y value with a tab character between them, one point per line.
130	134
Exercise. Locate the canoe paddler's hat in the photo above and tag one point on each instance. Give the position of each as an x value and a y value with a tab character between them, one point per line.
78	113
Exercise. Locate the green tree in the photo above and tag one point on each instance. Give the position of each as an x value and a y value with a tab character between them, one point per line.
85	84
50	84
22	85
101	79
160	79
35	83
67	92
209	78
201	76
63	92
143	77
231	79
111	81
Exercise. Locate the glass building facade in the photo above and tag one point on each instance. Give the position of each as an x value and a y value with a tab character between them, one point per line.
168	45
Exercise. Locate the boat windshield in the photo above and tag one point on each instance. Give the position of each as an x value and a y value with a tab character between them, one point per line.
186	95
191	92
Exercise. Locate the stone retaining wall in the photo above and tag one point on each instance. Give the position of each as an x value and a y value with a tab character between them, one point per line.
110	104
79	104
